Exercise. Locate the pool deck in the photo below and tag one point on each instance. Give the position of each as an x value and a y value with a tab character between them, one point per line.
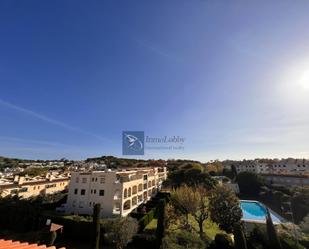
282	220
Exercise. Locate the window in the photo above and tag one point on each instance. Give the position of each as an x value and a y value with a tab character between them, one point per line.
134	190
92	179
95	191
101	193
102	179
75	191
84	180
50	185
81	204
91	191
14	191
96	179
90	204
82	192
140	187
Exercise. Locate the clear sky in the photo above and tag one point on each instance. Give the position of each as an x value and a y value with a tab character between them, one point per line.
232	77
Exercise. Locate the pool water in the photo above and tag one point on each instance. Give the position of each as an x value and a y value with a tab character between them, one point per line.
255	211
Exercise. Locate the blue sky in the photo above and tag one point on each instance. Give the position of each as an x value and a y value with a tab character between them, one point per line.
232	77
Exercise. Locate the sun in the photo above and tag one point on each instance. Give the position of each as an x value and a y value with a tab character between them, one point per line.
304	80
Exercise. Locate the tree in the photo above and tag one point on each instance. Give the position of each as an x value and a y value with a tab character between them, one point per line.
192	174
171	215
160	222
300	203
120	231
239	237
185	200
224	208
215	167
234	172
201	212
249	183
192	201
271	232
96	225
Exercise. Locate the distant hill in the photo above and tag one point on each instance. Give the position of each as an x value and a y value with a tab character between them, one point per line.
115	162
11	162
110	161
6	162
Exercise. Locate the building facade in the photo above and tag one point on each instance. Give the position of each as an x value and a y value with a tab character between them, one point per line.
288	166
118	192
287	180
26	187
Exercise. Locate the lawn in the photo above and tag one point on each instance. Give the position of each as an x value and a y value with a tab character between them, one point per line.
210	228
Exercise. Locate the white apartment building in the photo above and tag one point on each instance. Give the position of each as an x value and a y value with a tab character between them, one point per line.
254	166
118	192
290	166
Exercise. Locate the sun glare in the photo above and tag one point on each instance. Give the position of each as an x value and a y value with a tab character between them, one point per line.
304	80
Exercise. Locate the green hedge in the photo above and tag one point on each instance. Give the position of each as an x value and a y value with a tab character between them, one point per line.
146	219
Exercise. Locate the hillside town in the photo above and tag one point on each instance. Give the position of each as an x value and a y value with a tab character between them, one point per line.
133	190
167	124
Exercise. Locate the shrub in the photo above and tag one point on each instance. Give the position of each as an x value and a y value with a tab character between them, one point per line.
305	243
288	243
258	235
121	231
222	240
182	240
239	237
143	241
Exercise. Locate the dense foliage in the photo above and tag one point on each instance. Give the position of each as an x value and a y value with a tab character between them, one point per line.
224	208
191	174
121	231
249	183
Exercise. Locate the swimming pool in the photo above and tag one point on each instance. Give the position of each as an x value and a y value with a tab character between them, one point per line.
254	211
